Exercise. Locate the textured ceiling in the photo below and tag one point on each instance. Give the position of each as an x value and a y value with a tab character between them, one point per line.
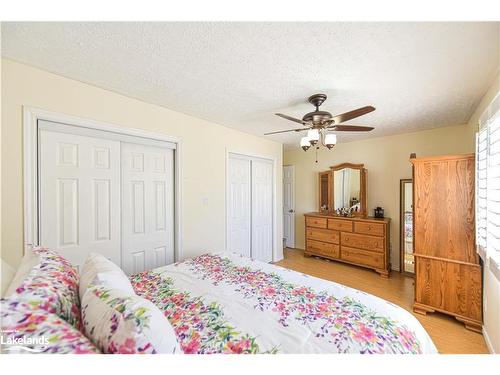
417	75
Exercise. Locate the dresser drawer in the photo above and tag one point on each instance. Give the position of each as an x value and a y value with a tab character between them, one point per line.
373	229
323	248
362	241
325	235
367	258
317	222
339	224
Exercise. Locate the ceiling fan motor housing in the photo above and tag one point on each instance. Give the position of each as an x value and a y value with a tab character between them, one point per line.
317	117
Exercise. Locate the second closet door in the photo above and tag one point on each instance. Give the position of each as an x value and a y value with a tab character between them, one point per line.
250	207
239	206
262	210
147	207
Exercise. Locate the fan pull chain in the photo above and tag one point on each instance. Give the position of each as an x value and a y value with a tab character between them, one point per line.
317	148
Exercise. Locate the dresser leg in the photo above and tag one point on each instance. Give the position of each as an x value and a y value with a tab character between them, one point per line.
307	255
383	273
471	325
421	309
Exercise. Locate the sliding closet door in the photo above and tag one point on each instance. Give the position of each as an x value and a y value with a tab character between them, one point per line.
262	210
148	207
239	205
79	195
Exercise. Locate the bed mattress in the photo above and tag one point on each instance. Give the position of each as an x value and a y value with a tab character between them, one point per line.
226	303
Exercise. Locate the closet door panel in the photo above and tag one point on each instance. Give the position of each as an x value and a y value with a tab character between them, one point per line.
79	195
147	207
239	206
262	210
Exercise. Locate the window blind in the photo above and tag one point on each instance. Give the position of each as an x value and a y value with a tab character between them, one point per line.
493	189
488	186
481	190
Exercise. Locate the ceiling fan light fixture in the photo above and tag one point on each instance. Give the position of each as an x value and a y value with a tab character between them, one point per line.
304	143
330	140
313	136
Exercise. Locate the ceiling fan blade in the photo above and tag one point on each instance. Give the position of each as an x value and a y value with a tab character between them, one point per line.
290	118
286	131
352	114
350	128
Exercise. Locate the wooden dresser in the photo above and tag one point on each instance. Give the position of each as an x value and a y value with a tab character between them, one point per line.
356	240
447	268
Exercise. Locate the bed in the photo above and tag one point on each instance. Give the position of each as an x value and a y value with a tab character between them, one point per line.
226	303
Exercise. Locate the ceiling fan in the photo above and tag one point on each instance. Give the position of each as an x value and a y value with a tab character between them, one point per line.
320	125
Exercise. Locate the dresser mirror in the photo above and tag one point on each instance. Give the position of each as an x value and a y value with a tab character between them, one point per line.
324	191
346	190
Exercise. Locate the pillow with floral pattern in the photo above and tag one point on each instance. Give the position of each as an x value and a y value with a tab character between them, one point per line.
26	329
52	285
124	323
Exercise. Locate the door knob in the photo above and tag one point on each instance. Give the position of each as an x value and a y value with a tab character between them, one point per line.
291	211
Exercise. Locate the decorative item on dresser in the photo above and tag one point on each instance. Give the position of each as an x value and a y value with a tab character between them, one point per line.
363	241
447	268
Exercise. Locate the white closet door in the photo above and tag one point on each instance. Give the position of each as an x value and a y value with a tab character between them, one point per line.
79	195
239	206
262	210
147	209
288	205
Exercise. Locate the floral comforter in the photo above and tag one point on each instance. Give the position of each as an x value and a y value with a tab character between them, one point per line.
225	303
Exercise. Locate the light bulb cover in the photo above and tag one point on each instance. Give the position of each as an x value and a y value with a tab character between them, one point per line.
313	136
304	143
330	140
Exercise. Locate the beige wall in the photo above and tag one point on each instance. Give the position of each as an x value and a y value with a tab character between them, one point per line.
491	288
386	160
203	155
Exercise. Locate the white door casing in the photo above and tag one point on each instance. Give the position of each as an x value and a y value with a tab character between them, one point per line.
289	205
79	195
147	207
239	205
262	210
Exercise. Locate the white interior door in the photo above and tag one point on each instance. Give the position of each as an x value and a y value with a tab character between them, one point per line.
147	207
239	205
262	210
289	205
79	195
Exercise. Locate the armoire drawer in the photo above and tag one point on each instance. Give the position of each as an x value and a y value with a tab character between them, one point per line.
373	229
317	222
367	258
361	241
339	224
323	248
325	235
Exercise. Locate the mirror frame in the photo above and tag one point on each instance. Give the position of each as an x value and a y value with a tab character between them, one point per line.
329	199
402	183
362	186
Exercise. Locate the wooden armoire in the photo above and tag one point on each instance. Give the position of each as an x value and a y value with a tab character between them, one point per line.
447	268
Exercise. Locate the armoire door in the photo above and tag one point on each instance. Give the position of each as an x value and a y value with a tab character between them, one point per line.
262	210
239	206
147	207
79	195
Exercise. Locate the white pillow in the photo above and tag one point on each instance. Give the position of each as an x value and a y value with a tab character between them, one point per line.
124	323
29	261
8	273
99	270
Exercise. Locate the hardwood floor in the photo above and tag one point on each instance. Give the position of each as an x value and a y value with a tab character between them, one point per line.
449	335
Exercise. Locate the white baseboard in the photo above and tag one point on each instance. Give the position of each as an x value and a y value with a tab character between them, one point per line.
488	342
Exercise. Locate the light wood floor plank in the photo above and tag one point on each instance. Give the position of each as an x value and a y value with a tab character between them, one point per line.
449	335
